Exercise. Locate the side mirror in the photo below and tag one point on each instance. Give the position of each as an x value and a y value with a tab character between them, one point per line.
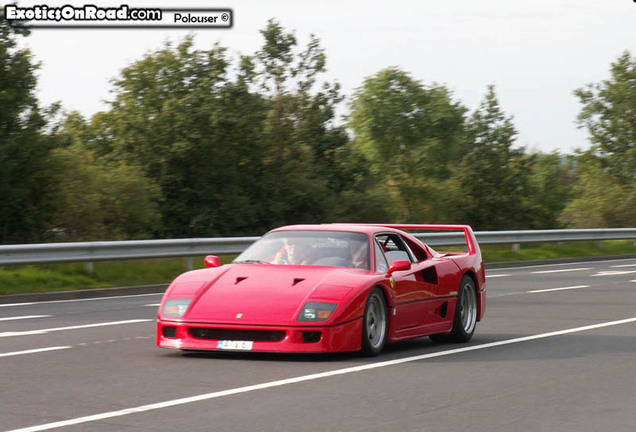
398	265
212	261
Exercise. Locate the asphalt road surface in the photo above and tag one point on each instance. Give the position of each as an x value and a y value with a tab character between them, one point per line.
555	352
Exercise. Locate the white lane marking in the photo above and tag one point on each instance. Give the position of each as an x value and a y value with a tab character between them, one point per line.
624	265
304	378
613	273
633	280
496	276
24	317
15	304
34	351
48	330
564	264
85	344
80	300
153	305
558	289
562	270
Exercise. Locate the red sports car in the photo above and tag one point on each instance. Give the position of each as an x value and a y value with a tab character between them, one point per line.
327	288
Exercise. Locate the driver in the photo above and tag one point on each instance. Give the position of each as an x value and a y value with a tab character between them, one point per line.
292	252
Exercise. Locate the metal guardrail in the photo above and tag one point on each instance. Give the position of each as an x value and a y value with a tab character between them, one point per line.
43	253
529	236
135	249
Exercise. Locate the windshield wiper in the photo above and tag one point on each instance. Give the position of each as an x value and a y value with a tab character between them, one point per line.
251	261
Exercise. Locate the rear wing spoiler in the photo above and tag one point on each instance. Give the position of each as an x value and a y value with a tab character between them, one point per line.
471	240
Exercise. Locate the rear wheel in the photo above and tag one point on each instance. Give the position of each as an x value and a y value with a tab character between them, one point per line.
465	319
374	326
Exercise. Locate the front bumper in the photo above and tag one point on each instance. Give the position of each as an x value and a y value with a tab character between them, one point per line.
219	337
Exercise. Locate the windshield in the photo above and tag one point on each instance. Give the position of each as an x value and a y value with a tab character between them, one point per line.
319	248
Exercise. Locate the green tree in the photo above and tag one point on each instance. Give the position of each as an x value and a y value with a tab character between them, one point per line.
361	196
194	132
411	134
25	183
493	176
235	147
609	114
300	172
601	201
551	182
97	198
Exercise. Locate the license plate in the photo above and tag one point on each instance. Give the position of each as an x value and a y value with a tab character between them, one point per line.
235	345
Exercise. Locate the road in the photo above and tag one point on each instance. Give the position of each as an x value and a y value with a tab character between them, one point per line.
555	352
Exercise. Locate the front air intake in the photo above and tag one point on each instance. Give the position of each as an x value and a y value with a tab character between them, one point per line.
169	332
237	335
312	336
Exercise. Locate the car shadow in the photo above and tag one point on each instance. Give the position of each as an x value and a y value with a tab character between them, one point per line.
556	347
268	357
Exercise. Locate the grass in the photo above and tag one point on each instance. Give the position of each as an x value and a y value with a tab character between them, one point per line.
74	276
541	251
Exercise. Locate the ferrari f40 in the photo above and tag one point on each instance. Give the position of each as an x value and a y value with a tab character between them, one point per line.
328	288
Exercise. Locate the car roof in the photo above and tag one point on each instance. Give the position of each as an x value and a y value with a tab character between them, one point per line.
344	227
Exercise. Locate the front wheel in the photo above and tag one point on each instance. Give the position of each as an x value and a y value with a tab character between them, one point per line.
465	319
374	325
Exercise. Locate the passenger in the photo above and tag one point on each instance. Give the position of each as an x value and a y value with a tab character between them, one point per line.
359	254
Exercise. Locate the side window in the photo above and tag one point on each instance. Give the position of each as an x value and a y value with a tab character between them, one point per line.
381	265
394	248
416	250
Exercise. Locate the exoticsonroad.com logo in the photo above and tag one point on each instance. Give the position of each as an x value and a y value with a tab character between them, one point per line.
91	16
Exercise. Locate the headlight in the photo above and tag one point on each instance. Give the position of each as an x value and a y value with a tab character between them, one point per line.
176	307
316	311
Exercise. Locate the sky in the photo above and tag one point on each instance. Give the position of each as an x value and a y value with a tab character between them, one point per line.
535	52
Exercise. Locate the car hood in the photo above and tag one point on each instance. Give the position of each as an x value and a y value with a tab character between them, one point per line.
256	294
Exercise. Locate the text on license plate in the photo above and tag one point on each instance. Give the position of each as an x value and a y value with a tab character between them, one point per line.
234	345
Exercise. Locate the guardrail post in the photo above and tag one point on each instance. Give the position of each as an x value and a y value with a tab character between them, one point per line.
89	266
189	263
516	247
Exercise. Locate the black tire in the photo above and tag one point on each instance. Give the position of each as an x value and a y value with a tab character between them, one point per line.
374	323
465	319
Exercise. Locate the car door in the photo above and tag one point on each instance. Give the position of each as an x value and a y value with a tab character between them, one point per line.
410	289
